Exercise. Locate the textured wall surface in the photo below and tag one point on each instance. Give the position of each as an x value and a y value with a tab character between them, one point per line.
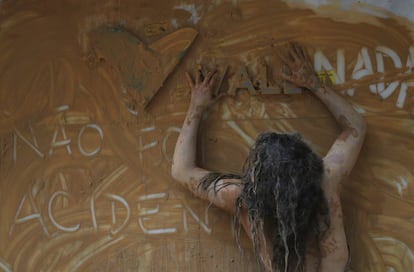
85	179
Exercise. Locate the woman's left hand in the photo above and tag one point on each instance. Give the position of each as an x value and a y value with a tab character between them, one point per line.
202	89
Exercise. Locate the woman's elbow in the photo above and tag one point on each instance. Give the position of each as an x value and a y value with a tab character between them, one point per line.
175	172
179	173
357	125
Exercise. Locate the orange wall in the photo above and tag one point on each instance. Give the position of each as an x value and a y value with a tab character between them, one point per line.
85	171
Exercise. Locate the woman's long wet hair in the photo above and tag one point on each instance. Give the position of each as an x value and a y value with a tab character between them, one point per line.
281	190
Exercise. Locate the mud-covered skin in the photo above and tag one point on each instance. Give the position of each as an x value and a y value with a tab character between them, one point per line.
339	160
300	67
184	168
328	254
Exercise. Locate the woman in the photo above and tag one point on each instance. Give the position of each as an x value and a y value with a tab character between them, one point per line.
287	199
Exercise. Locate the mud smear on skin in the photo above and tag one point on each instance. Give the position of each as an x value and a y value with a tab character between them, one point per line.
45	63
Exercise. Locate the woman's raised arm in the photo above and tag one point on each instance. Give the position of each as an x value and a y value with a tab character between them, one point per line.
340	158
184	168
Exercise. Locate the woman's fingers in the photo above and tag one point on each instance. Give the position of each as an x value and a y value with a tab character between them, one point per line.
210	78
299	51
283	56
213	78
286	77
293	55
207	78
198	76
190	80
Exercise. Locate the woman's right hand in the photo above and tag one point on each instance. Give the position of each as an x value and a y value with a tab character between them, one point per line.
302	73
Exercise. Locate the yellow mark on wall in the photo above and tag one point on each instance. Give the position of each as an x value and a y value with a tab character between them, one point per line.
326	76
